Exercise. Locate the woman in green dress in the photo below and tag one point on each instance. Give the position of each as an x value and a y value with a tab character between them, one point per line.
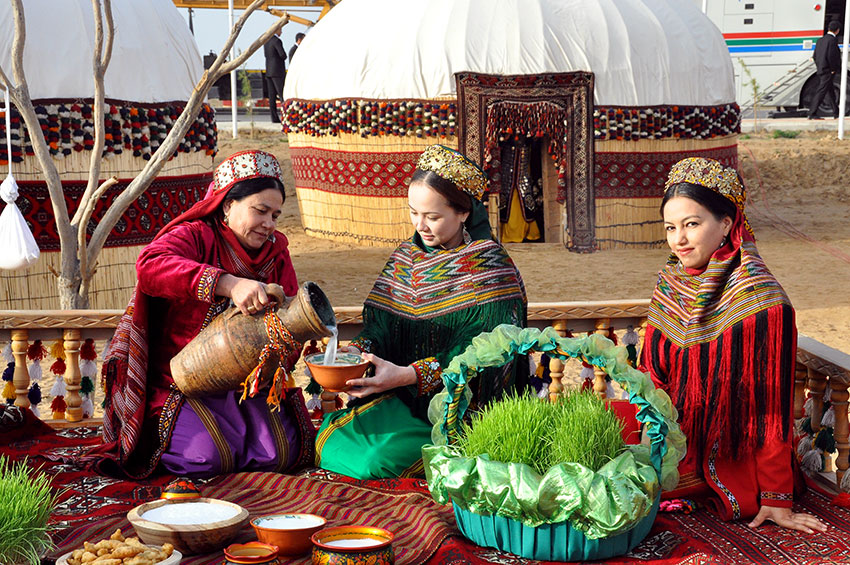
439	289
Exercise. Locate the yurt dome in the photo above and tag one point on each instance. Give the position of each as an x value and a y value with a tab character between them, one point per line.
652	52
153	69
372	85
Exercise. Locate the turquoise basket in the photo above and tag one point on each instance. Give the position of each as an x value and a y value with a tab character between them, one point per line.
548	542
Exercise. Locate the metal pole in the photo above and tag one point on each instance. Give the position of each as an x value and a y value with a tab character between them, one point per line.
191	27
233	115
704	6
842	96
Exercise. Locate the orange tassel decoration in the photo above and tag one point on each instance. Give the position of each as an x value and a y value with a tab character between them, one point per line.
283	344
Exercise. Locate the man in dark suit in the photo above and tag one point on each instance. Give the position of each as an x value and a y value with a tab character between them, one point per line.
298	37
275	73
828	61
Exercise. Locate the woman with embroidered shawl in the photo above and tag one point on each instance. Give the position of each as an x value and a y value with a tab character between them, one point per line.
438	290
223	250
721	340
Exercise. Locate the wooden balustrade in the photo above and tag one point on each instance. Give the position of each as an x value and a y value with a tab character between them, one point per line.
818	366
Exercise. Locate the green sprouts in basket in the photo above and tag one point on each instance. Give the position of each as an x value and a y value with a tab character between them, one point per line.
578	428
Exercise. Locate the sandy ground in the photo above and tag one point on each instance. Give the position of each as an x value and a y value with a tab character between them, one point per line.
799	209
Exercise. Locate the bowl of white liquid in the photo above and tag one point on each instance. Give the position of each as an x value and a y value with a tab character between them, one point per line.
353	544
193	526
333	375
289	532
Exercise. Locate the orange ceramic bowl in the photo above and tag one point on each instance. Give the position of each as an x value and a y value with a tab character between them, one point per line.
251	553
289	532
333	377
343	545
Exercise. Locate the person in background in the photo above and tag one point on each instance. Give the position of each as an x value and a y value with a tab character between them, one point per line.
298	37
275	73
721	340
439	290
828	61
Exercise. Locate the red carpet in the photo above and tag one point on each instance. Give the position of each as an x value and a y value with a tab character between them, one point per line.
92	507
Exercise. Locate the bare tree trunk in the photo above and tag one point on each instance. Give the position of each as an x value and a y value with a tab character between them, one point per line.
78	259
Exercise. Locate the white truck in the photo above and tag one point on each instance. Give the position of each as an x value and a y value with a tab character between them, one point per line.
772	42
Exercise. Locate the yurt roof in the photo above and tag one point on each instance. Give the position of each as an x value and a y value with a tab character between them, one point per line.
154	57
642	52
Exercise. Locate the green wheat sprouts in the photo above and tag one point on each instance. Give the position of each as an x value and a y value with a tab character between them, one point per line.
26	501
586	431
523	429
510	431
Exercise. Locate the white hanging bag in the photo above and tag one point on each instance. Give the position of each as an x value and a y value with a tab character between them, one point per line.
18	248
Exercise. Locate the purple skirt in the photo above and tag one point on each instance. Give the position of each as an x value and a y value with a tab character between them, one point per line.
218	434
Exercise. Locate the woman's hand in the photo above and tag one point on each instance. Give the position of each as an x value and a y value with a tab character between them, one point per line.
248	295
787	519
387	377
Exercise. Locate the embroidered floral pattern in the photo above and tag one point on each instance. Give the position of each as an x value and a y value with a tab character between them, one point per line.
206	286
428	375
712	469
779	496
363	344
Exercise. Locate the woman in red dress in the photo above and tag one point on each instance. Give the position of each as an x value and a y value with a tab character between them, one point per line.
721	340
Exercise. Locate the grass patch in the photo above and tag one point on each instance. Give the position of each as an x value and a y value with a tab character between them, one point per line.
784	133
26	501
523	429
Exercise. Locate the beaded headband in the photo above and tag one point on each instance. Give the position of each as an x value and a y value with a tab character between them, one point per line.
713	176
452	165
245	165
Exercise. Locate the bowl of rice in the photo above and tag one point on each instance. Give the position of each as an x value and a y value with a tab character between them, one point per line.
192	526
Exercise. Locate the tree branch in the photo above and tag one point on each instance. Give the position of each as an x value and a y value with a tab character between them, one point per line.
87	211
22	100
6	82
166	150
96	156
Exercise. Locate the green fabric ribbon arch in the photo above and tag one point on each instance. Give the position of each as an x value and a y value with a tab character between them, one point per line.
599	504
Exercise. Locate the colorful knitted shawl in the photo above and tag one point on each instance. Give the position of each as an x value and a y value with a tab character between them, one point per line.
416	284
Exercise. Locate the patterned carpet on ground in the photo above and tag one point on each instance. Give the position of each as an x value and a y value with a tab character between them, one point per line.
91	507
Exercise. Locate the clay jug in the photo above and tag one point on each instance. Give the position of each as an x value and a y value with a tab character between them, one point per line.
220	357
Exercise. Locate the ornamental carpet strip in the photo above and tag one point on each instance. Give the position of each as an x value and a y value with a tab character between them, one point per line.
91	507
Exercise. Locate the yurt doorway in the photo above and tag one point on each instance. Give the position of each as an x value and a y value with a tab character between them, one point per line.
533	135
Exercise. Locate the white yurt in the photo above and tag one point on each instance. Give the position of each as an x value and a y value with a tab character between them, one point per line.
154	66
575	108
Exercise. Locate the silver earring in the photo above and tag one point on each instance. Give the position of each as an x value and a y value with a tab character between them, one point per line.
466	237
226	220
723	242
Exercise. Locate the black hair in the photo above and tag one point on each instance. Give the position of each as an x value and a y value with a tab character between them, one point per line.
834	25
247	187
719	206
299	35
458	200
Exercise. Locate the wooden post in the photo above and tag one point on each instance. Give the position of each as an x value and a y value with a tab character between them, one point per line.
841	431
556	366
600	385
328	402
800	374
74	411
21	377
816	385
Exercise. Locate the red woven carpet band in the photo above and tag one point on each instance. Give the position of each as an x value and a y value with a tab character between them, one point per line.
642	175
616	175
166	198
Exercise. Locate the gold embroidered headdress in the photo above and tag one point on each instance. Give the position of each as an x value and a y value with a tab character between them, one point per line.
714	176
452	165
